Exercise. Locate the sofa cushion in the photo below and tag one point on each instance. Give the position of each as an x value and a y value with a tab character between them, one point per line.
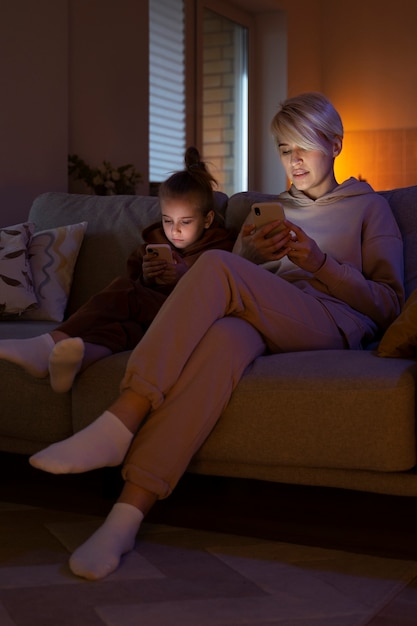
32	416
403	203
400	338
16	284
52	256
113	232
345	409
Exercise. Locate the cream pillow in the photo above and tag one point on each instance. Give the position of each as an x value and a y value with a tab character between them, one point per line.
16	284
400	339
52	255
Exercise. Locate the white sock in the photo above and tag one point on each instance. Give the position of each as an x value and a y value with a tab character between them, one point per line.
103	443
32	354
100	555
65	362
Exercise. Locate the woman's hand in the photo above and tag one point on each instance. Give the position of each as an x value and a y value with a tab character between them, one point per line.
259	246
303	251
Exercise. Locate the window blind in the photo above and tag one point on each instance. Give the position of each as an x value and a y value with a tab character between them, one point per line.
167	88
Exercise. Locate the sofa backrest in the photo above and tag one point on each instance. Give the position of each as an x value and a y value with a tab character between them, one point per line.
403	203
115	224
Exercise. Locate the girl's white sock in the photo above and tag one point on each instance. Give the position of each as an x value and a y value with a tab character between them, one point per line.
100	555
32	354
103	443
65	362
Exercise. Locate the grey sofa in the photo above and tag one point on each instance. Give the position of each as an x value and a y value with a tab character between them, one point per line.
330	418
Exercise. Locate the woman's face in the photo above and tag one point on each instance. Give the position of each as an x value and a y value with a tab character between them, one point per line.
183	221
310	171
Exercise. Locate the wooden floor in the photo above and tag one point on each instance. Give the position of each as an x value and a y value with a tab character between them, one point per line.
359	522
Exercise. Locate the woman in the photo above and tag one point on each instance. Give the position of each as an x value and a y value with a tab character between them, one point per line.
331	279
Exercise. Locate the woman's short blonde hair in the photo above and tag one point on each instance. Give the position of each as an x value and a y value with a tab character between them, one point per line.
309	121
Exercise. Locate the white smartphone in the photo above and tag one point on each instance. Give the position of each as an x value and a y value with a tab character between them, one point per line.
161	250
266	212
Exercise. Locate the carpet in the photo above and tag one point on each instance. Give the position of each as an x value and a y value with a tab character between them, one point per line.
186	577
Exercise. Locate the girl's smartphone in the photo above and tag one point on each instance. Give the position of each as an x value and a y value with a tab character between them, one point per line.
161	250
266	212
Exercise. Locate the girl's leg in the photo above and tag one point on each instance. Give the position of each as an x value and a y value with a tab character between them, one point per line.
69	357
31	354
113	320
117	316
55	353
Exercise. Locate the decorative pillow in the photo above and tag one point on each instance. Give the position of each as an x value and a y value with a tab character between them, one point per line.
400	339
52	255
16	285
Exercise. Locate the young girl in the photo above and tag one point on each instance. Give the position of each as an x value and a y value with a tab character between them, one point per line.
336	282
116	318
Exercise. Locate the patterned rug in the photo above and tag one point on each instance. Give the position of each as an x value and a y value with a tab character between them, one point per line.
183	577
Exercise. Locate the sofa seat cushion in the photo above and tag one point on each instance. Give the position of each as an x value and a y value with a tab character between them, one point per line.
22	329
96	389
321	409
32	415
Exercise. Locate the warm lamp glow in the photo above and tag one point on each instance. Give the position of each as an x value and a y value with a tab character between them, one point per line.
386	159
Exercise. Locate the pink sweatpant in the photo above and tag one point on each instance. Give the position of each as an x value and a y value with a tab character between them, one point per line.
223	313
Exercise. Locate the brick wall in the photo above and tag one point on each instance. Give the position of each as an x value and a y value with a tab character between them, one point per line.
218	98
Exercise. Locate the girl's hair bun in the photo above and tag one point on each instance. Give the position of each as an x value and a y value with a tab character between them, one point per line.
192	159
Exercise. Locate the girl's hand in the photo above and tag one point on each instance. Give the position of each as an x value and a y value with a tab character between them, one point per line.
303	251
174	271
152	267
259	246
180	266
169	273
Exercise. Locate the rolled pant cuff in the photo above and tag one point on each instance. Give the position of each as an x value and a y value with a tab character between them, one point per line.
136	384
141	478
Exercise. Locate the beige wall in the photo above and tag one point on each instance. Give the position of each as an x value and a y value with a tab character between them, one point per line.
370	68
33	104
74	79
108	82
362	55
74	76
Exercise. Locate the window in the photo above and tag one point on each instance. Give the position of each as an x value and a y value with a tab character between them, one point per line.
166	88
209	108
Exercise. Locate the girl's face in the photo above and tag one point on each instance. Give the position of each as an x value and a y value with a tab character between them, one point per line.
310	171
183	221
